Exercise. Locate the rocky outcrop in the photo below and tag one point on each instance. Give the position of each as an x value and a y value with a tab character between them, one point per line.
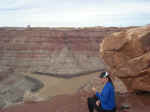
52	50
128	55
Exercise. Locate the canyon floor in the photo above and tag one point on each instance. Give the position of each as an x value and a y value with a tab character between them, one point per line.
54	86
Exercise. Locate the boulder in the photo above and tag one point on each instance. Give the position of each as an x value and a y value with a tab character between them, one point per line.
127	54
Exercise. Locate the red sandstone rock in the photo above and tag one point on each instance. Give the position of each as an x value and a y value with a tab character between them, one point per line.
128	55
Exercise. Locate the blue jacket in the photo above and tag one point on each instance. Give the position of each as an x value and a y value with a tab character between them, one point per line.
107	97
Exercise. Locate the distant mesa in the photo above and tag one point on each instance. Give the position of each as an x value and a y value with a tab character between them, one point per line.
28	26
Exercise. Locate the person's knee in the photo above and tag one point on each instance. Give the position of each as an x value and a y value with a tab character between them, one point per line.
89	100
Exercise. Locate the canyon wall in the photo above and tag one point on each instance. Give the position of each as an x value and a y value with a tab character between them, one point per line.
52	50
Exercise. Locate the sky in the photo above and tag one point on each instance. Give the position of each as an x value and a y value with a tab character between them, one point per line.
74	13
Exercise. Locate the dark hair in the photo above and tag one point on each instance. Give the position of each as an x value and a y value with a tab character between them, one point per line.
106	75
110	80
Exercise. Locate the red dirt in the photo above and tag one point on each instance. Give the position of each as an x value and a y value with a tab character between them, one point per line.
78	103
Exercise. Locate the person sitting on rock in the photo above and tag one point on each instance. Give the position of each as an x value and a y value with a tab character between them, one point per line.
104	101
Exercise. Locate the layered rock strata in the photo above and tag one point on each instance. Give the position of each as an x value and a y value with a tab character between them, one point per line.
52	50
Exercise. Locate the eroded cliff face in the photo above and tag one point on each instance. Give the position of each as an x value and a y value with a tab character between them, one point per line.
128	55
52	50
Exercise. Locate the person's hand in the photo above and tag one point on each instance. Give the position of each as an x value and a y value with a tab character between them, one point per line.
98	102
94	89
